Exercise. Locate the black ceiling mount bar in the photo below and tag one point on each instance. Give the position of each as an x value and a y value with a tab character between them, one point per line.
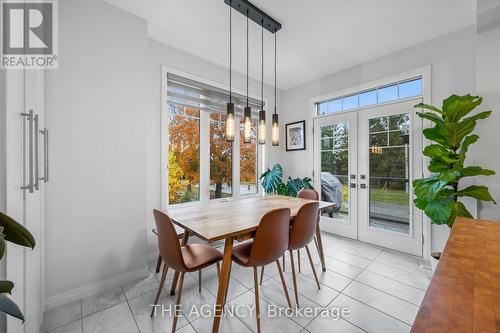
255	14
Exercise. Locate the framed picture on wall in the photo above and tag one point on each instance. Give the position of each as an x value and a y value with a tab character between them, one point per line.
295	136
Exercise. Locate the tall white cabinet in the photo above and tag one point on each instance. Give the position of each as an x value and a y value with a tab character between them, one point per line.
26	150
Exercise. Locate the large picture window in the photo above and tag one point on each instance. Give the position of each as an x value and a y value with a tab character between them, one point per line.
201	164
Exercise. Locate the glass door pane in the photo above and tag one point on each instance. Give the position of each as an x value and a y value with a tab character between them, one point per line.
183	155
389	162
335	169
335	151
221	152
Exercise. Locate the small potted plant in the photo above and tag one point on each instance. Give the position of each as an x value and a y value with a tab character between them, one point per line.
13	232
272	182
452	134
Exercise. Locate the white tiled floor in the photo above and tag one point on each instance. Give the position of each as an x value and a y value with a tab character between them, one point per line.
381	288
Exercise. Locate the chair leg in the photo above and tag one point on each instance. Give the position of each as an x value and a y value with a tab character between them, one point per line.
283	283
158	264
283	262
199	281
162	281
218	270
294	278
262	275
178	301
316	242
298	258
174	283
257	308
312	266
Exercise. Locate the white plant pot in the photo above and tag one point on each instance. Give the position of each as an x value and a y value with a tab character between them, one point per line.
434	260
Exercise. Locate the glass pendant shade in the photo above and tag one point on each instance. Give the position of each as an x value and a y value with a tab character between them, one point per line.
262	127
275	131
230	122
247	123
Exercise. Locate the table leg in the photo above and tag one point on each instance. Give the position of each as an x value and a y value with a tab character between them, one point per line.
223	283
320	246
185	238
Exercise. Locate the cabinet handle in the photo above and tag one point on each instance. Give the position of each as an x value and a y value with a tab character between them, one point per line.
36	185
45	133
30	117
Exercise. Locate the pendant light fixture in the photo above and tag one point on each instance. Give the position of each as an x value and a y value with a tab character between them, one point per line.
267	22
275	127
230	105
247	121
262	112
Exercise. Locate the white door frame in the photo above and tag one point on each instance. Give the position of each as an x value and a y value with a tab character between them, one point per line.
426	73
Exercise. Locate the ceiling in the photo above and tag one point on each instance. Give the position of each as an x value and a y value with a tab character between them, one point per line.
319	37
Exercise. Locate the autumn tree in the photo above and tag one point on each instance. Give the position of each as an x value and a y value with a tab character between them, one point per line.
184	145
175	182
184	140
220	154
248	158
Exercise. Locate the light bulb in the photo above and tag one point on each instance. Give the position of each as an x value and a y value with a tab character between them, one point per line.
275	131
262	127
230	122
247	123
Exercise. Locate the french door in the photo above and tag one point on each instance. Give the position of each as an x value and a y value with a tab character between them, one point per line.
365	161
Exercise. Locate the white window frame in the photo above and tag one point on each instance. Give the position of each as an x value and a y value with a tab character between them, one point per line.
425	72
204	146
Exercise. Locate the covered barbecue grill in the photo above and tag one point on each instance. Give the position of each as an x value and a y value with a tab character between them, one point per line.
331	191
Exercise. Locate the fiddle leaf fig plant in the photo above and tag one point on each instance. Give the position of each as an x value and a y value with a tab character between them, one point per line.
452	134
14	232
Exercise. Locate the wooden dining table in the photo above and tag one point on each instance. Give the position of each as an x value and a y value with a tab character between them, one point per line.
231	220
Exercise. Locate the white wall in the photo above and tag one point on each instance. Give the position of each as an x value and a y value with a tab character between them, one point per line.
453	71
103	111
488	74
96	197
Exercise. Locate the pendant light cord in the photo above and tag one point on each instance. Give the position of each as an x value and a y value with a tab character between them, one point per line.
247	58
275	72
230	51
262	74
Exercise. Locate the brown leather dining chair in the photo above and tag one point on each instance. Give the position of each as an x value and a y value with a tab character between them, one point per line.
302	233
309	194
188	258
269	244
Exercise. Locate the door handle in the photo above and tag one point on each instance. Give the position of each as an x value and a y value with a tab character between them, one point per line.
362	185
29	116
45	133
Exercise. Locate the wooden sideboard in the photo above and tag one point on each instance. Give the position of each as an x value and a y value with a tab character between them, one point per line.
464	294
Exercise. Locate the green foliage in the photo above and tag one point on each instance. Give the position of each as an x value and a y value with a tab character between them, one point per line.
271	179
13	232
438	194
272	182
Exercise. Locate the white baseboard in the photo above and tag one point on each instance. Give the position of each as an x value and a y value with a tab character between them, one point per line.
93	288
